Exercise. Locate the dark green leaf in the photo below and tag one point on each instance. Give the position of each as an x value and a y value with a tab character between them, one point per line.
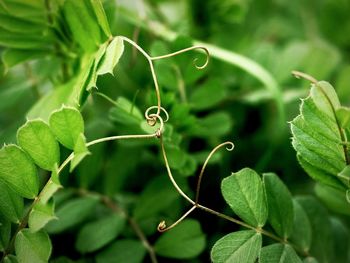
72	213
36	138
12	57
244	193
280	205
5	234
18	171
11	205
242	246
32	247
341	241
278	253
184	242
97	234
10	259
126	250
302	232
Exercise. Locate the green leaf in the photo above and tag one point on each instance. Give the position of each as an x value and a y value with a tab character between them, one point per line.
12	57
10	259
278	253
208	95
82	24
18	171
343	116
220	120
36	138
333	198
126	250
5	234
80	152
241	246
302	232
322	240
317	136
244	193
51	187
101	16
67	124
341	240
111	58
310	260
11	205
97	234
280	205
156	197
40	215
125	112
185	242
72	213
24	41
32	247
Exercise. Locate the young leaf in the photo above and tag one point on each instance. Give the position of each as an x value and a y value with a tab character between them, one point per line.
302	232
185	242
97	234
67	124
241	246
72	213
110	59
317	136
18	171
244	193
80	152
126	250
278	253
5	234
36	138
280	205
11	205
32	247
51	187
322	241
40	215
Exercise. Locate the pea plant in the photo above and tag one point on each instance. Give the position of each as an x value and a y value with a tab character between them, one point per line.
75	185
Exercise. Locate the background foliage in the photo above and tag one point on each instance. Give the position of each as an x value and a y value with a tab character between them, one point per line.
56	52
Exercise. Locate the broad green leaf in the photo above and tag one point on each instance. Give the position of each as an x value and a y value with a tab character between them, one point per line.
244	193
208	95
110	59
156	197
343	116
80	152
241	246
82	24
67	124
11	204
184	242
280	205
176	156
341	240
302	232
317	136
18	171
126	250
322	239
334	199
36	138
278	253
51	187
5	234
40	215
33	247
125	112
72	213
101	16
97	234
220	120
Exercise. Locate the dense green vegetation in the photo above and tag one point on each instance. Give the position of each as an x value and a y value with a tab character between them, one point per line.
114	120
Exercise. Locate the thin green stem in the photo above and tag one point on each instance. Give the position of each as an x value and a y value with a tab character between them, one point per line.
106	98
